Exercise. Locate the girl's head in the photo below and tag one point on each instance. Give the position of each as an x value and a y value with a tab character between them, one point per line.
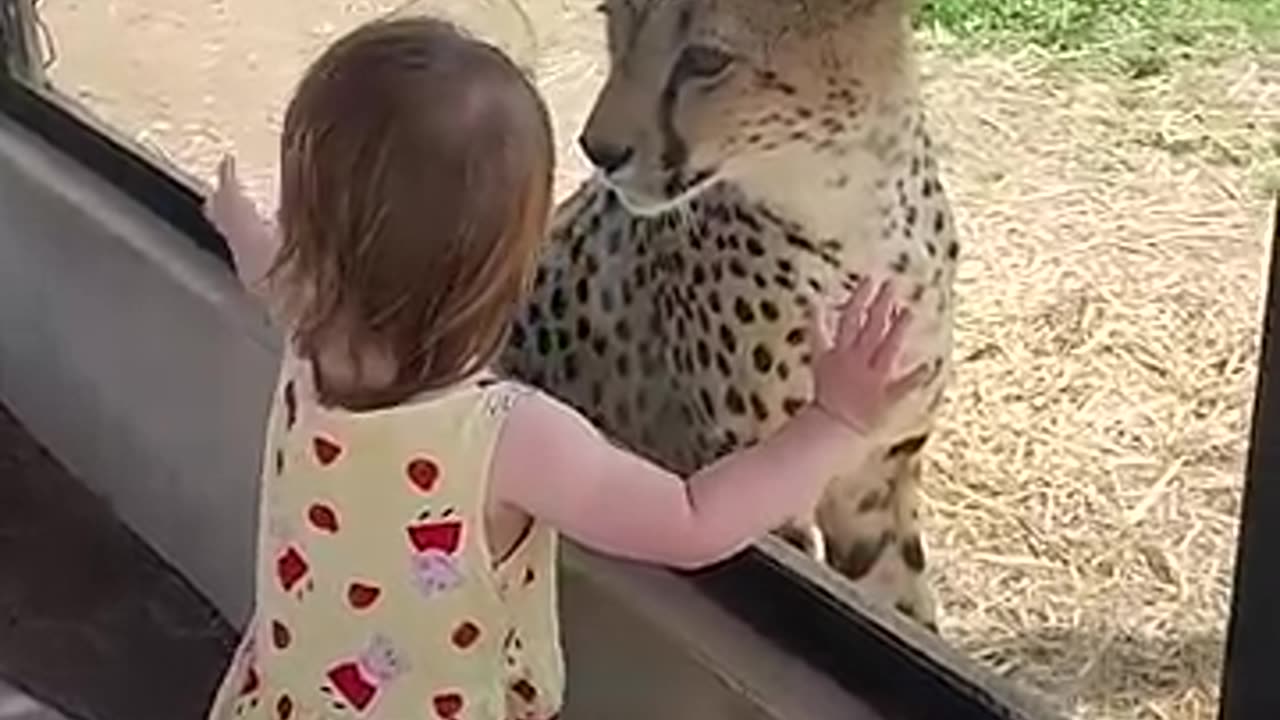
416	171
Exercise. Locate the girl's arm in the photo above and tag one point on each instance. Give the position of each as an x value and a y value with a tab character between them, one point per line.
552	464
252	240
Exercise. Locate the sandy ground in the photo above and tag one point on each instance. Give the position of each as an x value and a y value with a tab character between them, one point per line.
1084	487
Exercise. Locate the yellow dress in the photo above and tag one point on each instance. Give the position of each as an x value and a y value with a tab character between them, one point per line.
376	593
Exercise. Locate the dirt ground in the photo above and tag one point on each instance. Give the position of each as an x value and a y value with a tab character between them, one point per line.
1083	490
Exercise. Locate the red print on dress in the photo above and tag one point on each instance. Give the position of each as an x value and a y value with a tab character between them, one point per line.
292	570
280	635
447	705
326	450
362	596
465	635
323	518
357	682
423	474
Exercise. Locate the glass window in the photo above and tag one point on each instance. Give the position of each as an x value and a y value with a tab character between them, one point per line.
1110	174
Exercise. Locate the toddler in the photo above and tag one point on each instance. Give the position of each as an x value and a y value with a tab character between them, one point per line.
410	500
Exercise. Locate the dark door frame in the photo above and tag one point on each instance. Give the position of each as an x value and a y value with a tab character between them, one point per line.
1250	690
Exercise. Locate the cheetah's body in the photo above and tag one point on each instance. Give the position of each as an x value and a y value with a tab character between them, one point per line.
679	328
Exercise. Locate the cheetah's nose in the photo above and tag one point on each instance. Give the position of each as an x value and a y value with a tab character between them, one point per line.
608	158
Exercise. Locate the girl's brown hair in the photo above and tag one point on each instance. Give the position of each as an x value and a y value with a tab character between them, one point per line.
416	172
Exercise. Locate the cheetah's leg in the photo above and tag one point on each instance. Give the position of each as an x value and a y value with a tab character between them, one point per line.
870	519
805	535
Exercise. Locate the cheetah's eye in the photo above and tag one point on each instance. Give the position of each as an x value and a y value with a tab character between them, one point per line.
704	61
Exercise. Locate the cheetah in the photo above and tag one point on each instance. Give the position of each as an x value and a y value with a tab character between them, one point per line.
752	161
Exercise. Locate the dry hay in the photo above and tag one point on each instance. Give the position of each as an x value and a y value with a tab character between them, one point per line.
1084	485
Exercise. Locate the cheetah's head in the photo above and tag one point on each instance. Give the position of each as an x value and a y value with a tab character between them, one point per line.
706	90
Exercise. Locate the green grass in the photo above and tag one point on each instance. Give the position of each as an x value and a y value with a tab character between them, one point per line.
1143	35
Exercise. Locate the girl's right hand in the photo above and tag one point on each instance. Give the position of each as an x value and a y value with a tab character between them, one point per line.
852	373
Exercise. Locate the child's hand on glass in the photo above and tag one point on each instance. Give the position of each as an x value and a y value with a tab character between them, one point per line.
852	372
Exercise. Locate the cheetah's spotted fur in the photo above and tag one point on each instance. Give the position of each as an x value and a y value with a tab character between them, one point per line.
672	302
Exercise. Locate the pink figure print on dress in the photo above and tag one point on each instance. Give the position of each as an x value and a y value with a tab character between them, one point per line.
357	682
434	565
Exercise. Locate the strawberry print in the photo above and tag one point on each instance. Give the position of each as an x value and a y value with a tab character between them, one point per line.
423	474
465	635
323	518
326	450
362	596
290	406
291	568
357	682
279	462
447	705
528	576
281	638
284	708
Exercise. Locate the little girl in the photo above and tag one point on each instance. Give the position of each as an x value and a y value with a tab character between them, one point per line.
410	500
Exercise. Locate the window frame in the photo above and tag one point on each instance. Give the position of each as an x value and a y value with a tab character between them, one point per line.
902	670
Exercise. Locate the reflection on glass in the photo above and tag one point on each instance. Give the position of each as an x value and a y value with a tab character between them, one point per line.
191	79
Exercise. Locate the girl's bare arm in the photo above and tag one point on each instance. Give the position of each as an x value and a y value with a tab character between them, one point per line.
553	465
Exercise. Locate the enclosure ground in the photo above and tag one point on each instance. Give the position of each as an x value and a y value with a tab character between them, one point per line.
1083	487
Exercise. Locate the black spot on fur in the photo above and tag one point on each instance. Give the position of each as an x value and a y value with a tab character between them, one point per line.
708	405
791	406
558	304
734	402
908	447
762	358
722	364
704	354
913	553
728	339
869	502
571	367
863	555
